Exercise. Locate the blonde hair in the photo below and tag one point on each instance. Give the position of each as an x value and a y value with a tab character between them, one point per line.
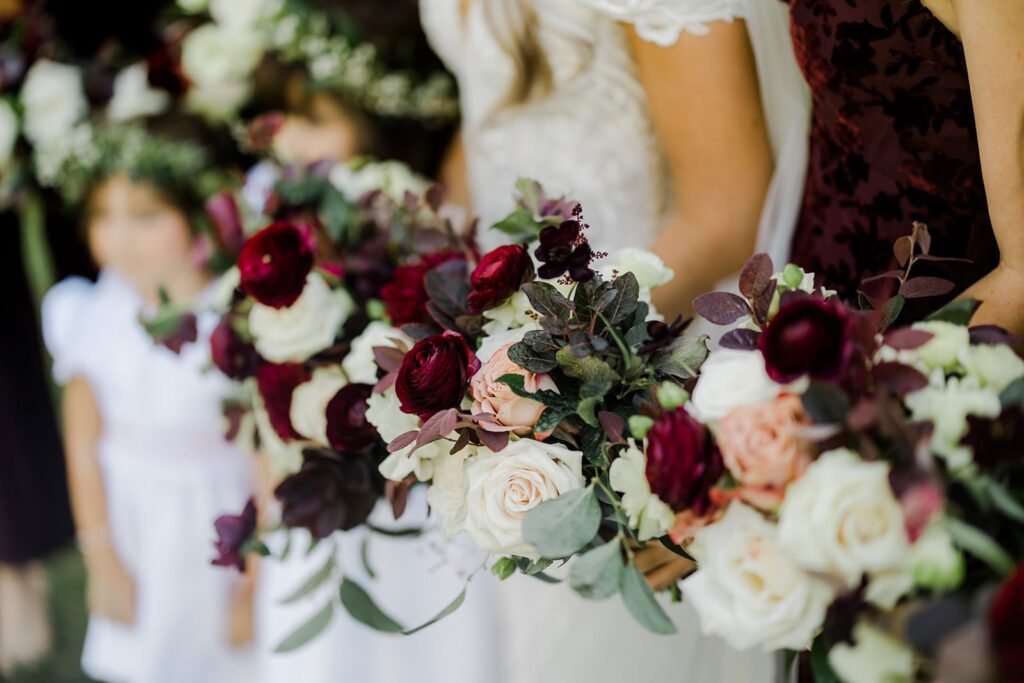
514	25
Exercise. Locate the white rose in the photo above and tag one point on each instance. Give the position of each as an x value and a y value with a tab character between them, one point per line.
218	61
730	379
935	562
243	13
947	406
308	412
8	132
748	590
308	326
384	411
54	101
842	518
502	487
360	364
995	365
874	657
944	348
133	97
649	269
648	514
447	492
393	178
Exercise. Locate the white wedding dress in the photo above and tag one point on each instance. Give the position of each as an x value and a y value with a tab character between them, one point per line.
591	138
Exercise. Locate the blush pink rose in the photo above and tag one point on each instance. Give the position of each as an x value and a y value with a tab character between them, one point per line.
761	444
508	412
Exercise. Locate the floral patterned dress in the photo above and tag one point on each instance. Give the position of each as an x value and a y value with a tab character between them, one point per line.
893	141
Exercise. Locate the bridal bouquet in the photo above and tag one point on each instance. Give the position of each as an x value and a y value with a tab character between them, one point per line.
869	500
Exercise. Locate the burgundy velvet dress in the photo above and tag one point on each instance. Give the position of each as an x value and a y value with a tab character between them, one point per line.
893	141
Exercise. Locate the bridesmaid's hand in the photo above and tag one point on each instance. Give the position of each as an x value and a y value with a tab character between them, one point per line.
240	617
660	566
111	590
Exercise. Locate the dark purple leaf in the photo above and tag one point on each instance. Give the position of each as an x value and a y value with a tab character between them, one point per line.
907	338
943	259
495	441
881	276
756	275
465	435
397	493
721	308
437	425
992	334
903	249
899	378
763	302
612	424
385	382
740	340
863	415
418	331
922	237
388	359
402	440
435	197
920	287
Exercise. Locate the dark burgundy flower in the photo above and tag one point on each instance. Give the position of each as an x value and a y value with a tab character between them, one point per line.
227	221
405	297
564	249
683	462
332	491
1006	624
498	276
229	353
997	442
276	383
661	335
808	336
348	429
435	374
183	329
274	264
233	531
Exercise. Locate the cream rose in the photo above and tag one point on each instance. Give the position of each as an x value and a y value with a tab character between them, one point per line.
874	657
360	364
308	411
647	513
748	590
502	487
54	100
730	379
842	518
509	411
384	411
761	444
308	326
133	97
8	132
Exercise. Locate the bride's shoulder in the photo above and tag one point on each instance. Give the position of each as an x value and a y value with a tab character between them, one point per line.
661	21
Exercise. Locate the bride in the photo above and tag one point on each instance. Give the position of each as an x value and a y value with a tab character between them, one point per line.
641	110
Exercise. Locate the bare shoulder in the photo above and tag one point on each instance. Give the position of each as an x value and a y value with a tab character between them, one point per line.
946	12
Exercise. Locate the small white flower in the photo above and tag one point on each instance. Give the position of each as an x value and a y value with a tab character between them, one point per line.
8	132
54	101
730	379
935	562
243	13
996	366
648	514
943	350
134	97
223	290
649	269
748	590
308	326
360	364
308	413
874	657
219	60
393	178
947	406
384	411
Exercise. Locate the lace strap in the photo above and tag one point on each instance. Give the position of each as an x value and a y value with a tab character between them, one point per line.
661	21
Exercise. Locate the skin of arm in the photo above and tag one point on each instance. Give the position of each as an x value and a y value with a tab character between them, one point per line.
705	104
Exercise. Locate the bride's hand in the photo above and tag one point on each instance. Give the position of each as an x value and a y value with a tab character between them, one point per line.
111	590
660	566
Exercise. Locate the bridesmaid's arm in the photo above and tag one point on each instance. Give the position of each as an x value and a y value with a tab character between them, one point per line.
706	106
992	32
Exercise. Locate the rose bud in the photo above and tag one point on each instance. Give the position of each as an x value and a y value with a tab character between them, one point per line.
1006	624
435	373
227	221
276	383
331	492
683	462
274	264
232	533
347	427
232	356
808	336
405	297
498	276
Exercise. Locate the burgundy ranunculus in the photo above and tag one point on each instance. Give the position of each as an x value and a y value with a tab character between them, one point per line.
276	383
405	297
1006	624
564	249
229	353
274	264
232	533
498	276
332	491
683	462
808	336
227	221
435	374
348	430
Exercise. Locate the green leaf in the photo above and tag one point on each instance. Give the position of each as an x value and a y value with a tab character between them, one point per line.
520	226
820	667
561	526
314	581
1013	395
363	609
639	425
408	532
586	369
957	312
504	568
547	300
450	609
308	631
1004	500
641	603
532	193
980	544
597	574
337	212
585	409
364	556
676	548
592	444
684	358
892	310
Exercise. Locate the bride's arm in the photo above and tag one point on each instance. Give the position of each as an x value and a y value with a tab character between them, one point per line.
706	106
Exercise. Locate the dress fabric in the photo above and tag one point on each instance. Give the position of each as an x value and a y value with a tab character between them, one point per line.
168	473
893	141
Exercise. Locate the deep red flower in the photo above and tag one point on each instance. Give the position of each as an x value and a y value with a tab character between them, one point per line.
1006	624
274	264
808	336
683	462
405	297
348	429
232	533
498	276
276	383
227	221
230	354
332	491
563	249
435	374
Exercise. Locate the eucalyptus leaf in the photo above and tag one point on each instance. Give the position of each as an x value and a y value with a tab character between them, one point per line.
1005	501
619	301
642	604
586	410
307	631
530	359
957	312
363	609
561	526
314	581
520	226
597	574
592	444
447	611
980	544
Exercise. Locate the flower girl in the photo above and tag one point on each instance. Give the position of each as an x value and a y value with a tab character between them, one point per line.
149	469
